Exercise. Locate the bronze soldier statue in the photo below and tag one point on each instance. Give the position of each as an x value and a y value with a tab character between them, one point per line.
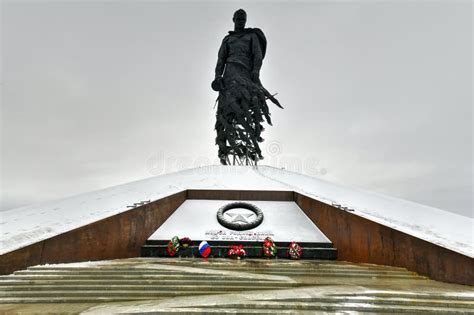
242	98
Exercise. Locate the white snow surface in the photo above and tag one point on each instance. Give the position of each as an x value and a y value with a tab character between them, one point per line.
23	226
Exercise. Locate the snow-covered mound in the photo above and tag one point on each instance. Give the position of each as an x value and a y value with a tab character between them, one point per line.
27	225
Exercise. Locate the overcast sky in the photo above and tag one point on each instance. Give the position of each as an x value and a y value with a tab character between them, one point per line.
377	94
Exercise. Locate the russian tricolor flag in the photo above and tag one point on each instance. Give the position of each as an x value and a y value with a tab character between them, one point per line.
204	249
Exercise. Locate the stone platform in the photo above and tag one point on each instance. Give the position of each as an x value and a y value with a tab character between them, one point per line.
283	221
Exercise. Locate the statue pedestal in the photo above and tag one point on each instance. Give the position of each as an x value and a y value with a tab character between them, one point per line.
283	221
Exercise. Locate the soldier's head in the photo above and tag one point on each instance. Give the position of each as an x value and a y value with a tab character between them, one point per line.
240	18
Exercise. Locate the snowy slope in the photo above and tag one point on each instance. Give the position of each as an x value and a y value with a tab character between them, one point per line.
27	225
444	228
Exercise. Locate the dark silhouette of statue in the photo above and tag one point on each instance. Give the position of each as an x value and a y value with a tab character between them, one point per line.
242	106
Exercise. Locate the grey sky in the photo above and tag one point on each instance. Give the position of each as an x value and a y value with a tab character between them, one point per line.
377	94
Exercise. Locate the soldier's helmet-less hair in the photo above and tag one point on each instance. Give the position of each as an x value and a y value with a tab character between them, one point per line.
240	12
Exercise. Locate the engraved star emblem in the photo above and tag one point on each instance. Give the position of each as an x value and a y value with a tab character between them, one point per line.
238	217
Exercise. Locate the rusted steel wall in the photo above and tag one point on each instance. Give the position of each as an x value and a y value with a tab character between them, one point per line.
269	195
21	258
363	241
119	236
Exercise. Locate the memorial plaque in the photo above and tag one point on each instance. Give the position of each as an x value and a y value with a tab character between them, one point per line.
283	221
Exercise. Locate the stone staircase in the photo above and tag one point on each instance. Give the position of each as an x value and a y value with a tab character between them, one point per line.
249	286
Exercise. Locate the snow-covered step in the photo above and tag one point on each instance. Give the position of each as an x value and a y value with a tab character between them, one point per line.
311	272
158	292
395	303
184	287
52	300
112	284
320	307
115	277
112	276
